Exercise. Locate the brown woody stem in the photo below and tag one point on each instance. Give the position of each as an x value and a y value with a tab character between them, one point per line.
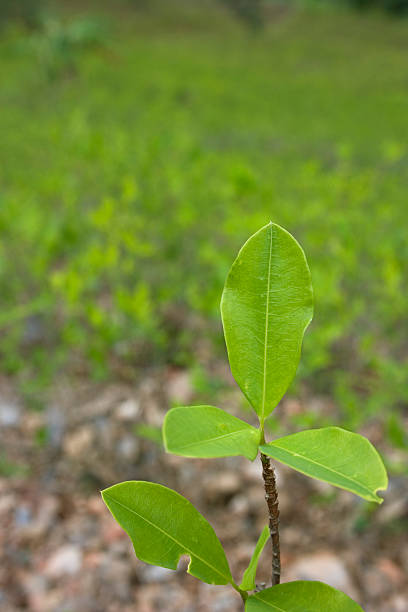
271	496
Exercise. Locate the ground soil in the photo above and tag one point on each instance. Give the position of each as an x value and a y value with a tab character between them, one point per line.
61	551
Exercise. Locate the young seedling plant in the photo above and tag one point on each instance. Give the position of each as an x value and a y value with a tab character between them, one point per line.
266	306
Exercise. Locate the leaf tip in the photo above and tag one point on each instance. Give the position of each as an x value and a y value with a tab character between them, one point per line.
105	497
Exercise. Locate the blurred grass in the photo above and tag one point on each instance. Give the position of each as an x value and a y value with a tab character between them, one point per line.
135	162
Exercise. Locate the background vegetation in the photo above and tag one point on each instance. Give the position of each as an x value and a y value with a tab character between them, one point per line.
142	144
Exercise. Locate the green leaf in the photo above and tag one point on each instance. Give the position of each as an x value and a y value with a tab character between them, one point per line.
342	458
206	431
266	305
248	581
301	596
163	525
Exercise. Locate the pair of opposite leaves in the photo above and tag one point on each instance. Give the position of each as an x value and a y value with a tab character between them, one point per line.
266	306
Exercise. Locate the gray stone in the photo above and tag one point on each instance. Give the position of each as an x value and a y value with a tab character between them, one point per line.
128	447
222	485
153	573
67	560
179	387
323	566
79	441
128	410
10	414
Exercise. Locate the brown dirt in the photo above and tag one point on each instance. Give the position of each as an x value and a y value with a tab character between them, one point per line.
61	551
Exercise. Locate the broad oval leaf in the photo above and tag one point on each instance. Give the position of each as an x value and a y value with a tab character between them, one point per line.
342	458
206	431
248	580
164	525
266	305
301	596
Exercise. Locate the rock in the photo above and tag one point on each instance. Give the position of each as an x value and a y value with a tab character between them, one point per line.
252	471
65	561
7	503
128	410
78	442
100	406
33	421
152	597
225	603
255	496
187	473
239	505
22	515
112	532
93	560
399	603
10	414
373	581
44	519
55	424
153	573
293	536
217	599
243	553
391	571
128	447
35	588
222	486
115	569
323	566
393	510
95	505
179	387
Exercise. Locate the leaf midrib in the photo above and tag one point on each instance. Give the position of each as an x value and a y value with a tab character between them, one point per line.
231	433
268	603
350	478
266	325
169	536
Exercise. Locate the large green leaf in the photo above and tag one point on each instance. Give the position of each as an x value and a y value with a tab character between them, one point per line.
206	431
248	580
301	596
266	306
163	525
344	459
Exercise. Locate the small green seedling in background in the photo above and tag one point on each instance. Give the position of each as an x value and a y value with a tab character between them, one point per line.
266	307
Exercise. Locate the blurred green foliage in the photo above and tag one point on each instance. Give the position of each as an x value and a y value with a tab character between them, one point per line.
10	469
25	11
59	45
250	11
149	432
128	184
397	7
